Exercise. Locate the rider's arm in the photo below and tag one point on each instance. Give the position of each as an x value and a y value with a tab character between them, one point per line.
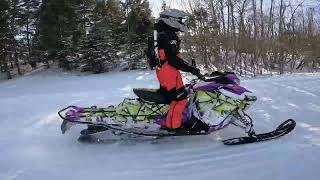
175	61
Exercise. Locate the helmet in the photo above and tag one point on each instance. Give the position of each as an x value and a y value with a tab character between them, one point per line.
175	18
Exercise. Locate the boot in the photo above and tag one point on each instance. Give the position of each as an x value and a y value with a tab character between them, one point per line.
181	130
195	125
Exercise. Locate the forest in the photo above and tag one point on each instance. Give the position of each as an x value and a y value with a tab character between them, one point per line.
254	37
250	37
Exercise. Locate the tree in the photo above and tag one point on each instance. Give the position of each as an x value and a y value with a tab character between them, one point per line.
139	27
58	22
4	36
84	11
13	45
104	41
29	18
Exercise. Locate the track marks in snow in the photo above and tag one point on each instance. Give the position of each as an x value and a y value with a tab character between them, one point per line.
300	90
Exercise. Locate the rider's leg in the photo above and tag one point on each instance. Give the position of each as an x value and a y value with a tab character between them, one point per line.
174	115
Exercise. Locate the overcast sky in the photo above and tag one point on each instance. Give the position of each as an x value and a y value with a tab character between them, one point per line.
156	4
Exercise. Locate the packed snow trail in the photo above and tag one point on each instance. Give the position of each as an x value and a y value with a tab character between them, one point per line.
33	148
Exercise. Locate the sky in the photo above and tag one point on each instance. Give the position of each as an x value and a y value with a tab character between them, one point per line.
156	4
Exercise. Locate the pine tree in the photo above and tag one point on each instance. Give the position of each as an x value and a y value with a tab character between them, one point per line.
139	28
13	44
84	10
104	41
4	36
93	44
57	25
114	18
29	10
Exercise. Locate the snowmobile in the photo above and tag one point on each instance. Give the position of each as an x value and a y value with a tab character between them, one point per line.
214	102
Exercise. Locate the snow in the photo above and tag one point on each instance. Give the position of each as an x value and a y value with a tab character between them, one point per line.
33	148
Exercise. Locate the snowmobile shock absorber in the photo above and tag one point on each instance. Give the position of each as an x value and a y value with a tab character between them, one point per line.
245	120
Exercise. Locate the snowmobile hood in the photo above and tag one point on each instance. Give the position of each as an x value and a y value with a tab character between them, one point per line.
212	86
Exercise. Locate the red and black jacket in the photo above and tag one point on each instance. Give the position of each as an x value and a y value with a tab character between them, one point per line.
169	47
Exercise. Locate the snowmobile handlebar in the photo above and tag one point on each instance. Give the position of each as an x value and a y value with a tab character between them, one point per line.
221	77
201	77
214	73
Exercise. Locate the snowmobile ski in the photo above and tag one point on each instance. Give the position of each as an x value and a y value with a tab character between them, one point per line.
283	129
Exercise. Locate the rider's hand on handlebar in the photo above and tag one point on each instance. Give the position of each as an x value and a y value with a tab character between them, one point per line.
197	73
200	76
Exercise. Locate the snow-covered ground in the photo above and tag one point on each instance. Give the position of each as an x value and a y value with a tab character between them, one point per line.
33	148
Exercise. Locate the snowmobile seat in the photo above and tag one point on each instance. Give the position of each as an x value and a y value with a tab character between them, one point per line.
152	95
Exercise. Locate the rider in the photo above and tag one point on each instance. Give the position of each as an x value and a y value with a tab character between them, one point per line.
170	62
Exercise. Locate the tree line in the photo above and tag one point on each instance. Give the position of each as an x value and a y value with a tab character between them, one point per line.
88	35
253	37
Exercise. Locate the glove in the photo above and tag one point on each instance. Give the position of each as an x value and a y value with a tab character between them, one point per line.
217	73
197	73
